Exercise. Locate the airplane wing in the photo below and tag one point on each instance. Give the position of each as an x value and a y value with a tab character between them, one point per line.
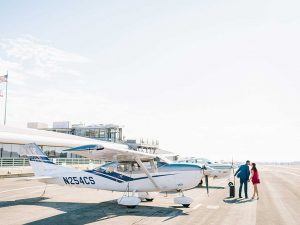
110	152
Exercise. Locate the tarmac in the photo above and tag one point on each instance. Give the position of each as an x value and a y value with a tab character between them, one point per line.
279	203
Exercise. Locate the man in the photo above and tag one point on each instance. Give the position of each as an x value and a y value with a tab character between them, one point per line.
243	173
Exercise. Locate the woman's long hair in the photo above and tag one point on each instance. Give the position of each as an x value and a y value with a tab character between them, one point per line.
254	167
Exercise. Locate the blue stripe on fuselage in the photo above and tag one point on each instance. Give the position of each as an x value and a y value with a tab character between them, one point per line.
105	176
120	177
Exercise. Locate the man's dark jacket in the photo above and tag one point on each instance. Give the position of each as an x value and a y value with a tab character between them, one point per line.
243	172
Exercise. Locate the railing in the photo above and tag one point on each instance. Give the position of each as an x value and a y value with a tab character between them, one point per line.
13	162
75	161
17	162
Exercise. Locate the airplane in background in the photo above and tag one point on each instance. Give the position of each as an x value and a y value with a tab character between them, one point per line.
215	170
135	173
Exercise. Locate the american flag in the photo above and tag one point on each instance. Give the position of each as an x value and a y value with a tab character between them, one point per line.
3	78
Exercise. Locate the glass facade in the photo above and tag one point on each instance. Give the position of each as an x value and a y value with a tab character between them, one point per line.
105	134
54	152
113	134
10	151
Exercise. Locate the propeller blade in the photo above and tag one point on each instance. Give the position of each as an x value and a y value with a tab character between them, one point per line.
206	184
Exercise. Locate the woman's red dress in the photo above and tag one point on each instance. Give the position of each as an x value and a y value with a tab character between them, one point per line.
255	177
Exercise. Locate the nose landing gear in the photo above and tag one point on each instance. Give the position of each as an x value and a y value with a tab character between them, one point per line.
148	196
183	200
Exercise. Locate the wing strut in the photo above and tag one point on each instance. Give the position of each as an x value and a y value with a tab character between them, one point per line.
138	160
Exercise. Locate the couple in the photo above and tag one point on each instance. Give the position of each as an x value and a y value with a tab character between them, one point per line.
243	173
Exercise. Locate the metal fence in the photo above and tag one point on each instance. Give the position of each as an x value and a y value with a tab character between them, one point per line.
13	162
17	162
74	161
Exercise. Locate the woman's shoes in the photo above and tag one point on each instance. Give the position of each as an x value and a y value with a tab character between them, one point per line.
253	198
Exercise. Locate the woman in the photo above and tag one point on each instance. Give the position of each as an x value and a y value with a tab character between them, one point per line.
255	179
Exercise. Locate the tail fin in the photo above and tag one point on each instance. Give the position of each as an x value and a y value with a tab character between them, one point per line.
40	163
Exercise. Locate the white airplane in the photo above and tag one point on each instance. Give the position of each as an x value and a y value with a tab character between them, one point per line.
215	170
129	172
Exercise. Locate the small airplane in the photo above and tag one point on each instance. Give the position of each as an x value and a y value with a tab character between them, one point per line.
132	172
215	170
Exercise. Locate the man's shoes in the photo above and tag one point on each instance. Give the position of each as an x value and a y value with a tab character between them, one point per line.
240	197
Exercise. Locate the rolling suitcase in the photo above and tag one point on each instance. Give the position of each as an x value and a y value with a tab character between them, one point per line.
232	191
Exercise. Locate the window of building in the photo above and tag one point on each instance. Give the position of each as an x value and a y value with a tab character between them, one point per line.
6	153
15	150
92	133
102	134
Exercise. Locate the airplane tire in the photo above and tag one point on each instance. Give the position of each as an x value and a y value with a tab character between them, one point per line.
149	199
131	206
186	205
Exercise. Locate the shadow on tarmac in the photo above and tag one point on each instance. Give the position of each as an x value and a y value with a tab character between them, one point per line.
236	200
83	213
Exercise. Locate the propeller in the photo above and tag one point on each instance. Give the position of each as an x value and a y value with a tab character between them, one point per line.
206	179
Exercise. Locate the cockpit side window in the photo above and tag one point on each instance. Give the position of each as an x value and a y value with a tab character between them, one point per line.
121	168
135	167
124	167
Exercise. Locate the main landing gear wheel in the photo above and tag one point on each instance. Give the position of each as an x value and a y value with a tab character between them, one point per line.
183	200
129	201
149	199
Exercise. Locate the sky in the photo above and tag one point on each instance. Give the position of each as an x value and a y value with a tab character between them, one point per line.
215	79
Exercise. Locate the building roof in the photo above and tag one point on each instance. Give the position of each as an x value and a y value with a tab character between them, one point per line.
101	126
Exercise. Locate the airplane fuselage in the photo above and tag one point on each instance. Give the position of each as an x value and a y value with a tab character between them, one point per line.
169	177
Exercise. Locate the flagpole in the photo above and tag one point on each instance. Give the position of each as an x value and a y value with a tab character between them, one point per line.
5	98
